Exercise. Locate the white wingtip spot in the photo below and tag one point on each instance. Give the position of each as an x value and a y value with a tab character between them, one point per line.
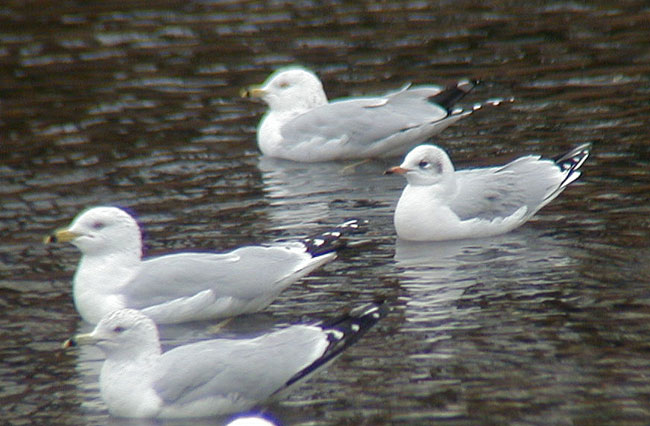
355	327
465	85
338	335
351	224
499	101
492	102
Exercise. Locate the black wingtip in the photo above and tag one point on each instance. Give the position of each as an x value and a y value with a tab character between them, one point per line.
573	159
364	316
448	97
343	332
334	239
580	150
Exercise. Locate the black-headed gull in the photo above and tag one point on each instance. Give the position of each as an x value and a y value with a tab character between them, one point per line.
186	286
440	203
301	124
211	377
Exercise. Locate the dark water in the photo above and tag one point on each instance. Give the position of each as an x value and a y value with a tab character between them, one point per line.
137	105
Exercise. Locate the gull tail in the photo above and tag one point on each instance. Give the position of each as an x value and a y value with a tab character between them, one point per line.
342	332
448	96
332	240
571	161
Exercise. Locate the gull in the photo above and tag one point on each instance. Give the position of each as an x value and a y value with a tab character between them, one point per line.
301	125
185	286
211	377
251	421
440	203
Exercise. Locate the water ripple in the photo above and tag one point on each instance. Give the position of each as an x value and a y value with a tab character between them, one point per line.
138	106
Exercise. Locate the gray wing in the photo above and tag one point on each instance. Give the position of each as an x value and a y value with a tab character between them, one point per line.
494	192
241	370
362	122
242	273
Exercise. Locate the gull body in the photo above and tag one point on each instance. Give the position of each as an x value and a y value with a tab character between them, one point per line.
211	377
186	286
440	203
302	125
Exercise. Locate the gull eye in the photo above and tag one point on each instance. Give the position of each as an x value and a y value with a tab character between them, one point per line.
283	84
118	329
98	225
424	164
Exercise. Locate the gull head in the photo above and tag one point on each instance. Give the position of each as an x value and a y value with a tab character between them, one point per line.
100	231
126	332
424	165
290	89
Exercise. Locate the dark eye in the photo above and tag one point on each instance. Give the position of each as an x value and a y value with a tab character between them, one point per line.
98	225
118	329
283	85
423	164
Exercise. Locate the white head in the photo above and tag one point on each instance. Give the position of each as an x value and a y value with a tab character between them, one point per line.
102	231
291	89
122	333
425	165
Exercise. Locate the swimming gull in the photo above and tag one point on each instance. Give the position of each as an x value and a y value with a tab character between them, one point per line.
440	203
301	124
211	377
184	286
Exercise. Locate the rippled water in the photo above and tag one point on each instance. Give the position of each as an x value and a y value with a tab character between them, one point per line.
137	105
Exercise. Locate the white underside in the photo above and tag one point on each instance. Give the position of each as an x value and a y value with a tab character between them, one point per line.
420	218
316	149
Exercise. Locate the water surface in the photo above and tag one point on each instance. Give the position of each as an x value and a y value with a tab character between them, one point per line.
137	105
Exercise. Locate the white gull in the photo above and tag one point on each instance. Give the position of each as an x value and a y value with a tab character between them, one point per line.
302	125
185	286
440	203
211	377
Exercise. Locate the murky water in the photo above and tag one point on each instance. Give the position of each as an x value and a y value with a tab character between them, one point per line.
137	105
